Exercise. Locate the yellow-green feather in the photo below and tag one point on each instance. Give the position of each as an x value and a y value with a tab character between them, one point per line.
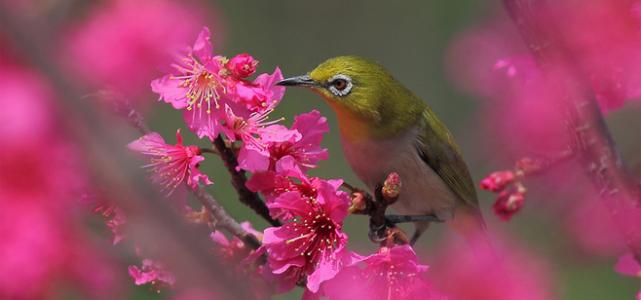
379	107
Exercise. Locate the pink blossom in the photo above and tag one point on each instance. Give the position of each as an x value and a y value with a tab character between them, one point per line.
262	93
122	43
391	273
504	272
508	203
242	65
628	265
284	187
301	142
312	243
151	272
171	164
246	129
497	181
115	220
202	85
234	251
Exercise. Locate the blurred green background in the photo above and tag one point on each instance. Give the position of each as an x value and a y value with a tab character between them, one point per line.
410	38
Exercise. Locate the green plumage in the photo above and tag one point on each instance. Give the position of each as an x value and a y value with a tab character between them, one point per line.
386	128
437	148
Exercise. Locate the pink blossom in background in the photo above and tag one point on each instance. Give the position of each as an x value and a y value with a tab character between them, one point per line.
115	219
152	272
123	44
233	250
628	265
505	273
601	237
42	179
171	164
391	273
206	89
508	203
497	181
608	52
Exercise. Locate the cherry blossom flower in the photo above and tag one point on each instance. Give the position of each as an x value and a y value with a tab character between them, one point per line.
204	87
391	273
152	272
242	65
171	164
122	43
311	245
301	142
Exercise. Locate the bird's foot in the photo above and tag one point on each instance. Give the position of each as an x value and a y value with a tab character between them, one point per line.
396	219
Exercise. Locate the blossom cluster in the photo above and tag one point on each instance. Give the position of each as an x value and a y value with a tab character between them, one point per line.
219	101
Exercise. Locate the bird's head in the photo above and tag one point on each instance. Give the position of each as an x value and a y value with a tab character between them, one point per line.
359	90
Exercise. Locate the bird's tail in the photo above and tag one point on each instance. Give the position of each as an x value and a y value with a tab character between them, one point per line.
469	223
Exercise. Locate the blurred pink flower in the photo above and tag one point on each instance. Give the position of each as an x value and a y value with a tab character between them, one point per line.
122	43
508	203
301	142
628	265
42	179
115	220
602	238
312	243
242	65
497	181
152	272
391	273
506	272
171	164
233	251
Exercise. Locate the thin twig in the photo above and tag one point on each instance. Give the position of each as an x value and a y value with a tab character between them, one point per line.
238	180
221	217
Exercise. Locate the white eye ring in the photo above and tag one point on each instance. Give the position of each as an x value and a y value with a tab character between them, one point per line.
343	92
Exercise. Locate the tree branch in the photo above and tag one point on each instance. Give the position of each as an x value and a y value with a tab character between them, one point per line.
592	140
221	218
238	180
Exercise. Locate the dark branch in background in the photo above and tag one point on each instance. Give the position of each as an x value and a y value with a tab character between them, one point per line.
592	141
220	217
238	180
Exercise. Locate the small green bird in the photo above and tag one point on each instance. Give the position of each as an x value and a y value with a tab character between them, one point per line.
385	128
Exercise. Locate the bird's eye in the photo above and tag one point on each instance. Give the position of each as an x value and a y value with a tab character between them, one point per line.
340	84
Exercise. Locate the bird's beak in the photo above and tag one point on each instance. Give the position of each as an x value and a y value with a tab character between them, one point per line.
303	81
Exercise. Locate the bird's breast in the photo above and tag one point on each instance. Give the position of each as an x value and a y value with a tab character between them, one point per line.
422	192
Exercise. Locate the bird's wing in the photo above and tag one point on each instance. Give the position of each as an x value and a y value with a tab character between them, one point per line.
437	148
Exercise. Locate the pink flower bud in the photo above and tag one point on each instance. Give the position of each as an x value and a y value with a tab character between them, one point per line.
242	65
497	181
508	203
392	187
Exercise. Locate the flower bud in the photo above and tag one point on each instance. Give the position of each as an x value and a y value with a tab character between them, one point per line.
391	187
508	203
242	65
497	181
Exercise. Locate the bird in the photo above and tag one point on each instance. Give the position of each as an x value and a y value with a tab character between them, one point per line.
386	128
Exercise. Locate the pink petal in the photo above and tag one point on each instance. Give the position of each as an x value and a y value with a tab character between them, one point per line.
170	91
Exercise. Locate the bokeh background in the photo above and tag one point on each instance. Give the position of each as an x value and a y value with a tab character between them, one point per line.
569	237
